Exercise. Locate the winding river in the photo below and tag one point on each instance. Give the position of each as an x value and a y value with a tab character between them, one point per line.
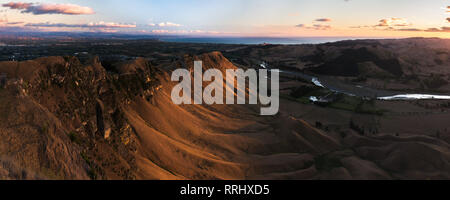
356	90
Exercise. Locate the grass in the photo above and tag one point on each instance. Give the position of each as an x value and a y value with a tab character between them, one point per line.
91	172
347	103
44	129
4	104
302	100
74	138
327	163
50	174
302	94
357	105
369	109
343	106
85	158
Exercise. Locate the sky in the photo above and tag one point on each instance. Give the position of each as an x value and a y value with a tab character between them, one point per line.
243	18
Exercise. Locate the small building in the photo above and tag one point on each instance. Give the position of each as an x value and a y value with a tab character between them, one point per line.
326	99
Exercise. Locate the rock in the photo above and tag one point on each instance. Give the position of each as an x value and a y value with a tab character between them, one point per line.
99	109
108	131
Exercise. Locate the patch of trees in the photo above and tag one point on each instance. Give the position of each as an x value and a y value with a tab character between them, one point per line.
302	91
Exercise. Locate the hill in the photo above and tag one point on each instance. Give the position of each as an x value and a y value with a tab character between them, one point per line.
66	119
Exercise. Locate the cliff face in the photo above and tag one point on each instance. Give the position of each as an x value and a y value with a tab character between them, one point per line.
63	119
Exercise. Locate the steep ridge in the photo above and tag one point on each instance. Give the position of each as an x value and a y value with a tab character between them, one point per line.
217	141
123	125
63	119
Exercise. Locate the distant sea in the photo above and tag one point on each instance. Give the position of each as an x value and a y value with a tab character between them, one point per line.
256	40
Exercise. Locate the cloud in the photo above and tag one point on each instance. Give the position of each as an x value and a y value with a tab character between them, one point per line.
393	22
17	5
4	21
14	23
165	24
442	29
314	26
400	24
22	29
88	25
110	25
410	29
323	20
168	24
193	32
437	30
361	26
160	31
321	27
41	9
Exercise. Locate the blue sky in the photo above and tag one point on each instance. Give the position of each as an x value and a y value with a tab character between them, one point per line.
243	17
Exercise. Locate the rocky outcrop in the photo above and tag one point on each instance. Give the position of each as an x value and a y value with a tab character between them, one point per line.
75	107
99	115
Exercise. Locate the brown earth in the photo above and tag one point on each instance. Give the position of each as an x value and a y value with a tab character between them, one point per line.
62	119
